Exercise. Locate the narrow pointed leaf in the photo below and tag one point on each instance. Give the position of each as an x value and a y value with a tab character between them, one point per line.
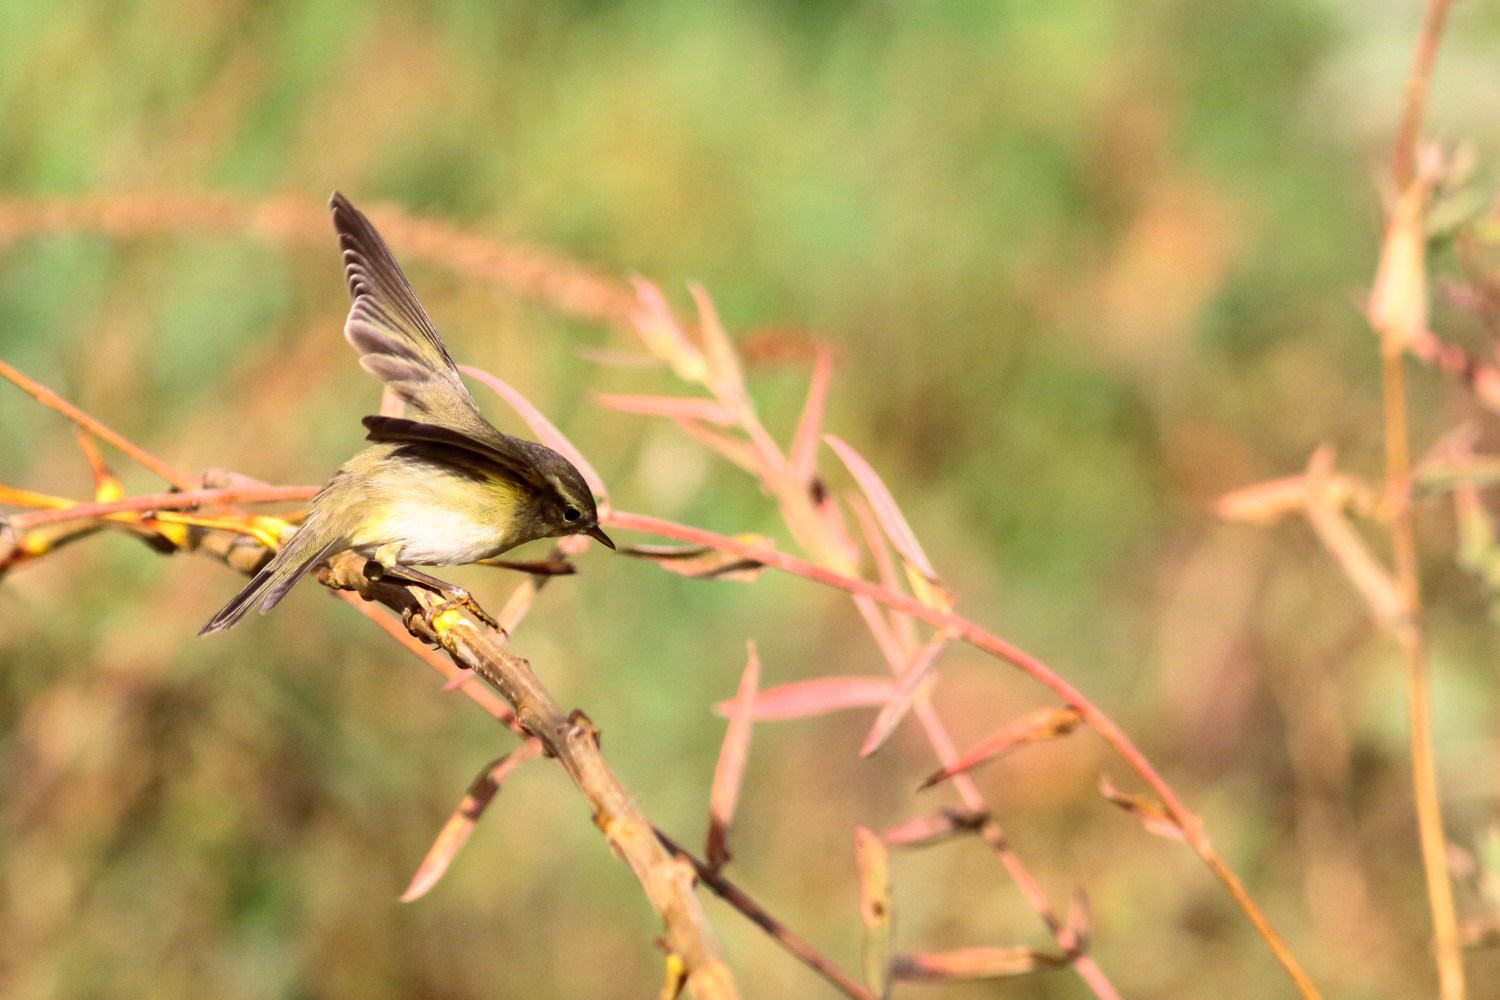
934	828
14	496
1152	816
884	506
806	699
901	625
1373	581
966	964
738	451
730	769
1034	727
701	562
908	686
804	457
546	432
617	359
874	910
723	360
677	407
460	824
659	330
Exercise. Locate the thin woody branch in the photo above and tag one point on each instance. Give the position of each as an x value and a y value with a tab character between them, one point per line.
574	742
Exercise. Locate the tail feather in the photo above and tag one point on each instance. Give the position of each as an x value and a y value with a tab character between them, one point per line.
270	585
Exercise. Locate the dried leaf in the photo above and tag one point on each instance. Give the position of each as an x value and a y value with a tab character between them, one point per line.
1152	816
1033	727
545	431
926	586
1398	302
1265	503
1373	582
731	766
874	909
806	699
934	828
701	562
804	456
975	963
677	407
460	824
14	496
908	686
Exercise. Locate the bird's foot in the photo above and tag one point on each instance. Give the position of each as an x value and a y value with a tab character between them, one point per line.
457	598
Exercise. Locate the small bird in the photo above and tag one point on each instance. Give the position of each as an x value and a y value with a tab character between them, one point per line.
444	489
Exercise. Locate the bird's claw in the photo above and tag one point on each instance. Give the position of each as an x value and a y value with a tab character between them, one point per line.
459	598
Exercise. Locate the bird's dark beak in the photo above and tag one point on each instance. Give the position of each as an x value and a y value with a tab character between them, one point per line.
598	533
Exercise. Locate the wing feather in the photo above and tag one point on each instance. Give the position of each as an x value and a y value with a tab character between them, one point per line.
522	459
389	328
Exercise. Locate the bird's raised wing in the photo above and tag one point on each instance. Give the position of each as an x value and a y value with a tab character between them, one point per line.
389	328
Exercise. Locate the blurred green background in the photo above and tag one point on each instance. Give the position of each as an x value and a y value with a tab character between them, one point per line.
1086	265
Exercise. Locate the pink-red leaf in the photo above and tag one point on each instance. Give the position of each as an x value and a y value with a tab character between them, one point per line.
731	766
804	457
805	699
736	450
545	431
1152	816
723	360
908	686
677	407
884	505
934	828
659	330
1033	727
900	625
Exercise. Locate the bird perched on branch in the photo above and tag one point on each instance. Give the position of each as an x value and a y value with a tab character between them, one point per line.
442	488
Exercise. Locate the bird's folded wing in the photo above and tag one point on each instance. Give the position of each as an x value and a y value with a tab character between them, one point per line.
515	456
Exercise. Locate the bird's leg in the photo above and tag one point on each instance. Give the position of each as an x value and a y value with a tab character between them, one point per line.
386	567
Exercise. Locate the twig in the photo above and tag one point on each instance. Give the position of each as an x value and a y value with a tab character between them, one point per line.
573	740
1397	329
563	285
53	401
980	639
784	936
163	501
1414	99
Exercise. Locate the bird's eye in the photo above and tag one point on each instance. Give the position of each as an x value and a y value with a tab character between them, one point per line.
571	514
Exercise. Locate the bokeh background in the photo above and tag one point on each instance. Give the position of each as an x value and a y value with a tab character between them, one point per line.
1086	266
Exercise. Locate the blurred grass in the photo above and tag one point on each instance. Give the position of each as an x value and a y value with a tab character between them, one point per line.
1086	265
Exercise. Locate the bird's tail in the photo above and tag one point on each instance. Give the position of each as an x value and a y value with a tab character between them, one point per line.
270	585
